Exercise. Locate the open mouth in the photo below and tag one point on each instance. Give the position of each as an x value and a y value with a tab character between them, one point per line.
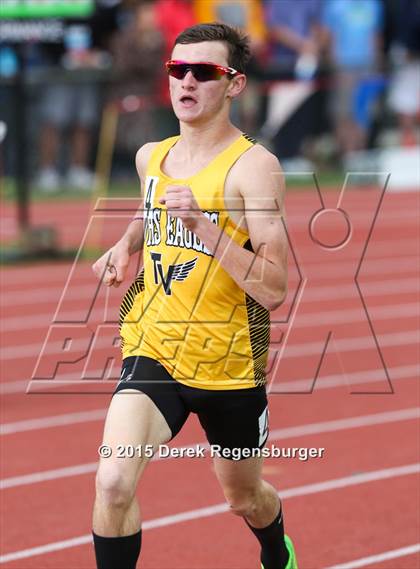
187	101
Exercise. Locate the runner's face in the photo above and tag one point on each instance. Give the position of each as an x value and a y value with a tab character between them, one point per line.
194	101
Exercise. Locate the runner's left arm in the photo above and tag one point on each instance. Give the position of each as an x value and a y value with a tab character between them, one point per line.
262	273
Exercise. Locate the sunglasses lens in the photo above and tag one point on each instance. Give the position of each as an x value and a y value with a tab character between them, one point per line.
177	70
201	71
206	72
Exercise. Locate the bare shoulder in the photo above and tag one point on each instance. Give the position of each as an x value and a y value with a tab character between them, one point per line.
258	156
258	168
143	156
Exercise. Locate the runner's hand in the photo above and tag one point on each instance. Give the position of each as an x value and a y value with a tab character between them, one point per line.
112	266
180	202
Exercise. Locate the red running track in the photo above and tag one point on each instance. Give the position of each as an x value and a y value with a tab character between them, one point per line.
357	505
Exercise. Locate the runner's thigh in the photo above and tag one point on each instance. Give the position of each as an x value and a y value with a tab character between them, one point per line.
146	411
133	426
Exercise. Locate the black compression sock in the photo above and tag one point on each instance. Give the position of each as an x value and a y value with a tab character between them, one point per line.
117	552
274	553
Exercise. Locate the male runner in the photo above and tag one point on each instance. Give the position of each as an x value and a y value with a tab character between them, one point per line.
195	322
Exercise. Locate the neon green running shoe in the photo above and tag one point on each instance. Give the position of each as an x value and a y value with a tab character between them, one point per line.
292	563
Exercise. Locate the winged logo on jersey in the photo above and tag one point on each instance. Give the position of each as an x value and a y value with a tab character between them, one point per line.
177	272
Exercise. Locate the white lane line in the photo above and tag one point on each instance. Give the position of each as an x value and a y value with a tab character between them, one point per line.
352	344
87	291
375	288
405	337
386	219
307	320
370	267
352	480
323	382
374	267
349	316
48	548
379	558
276	434
52	421
347	423
305	490
337	380
44	476
49	294
296	224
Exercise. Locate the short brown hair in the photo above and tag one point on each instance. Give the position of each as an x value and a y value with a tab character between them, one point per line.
237	42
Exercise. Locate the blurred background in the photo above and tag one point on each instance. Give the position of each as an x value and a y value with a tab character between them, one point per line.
333	86
333	90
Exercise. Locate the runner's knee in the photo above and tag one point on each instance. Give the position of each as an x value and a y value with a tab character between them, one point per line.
242	503
113	487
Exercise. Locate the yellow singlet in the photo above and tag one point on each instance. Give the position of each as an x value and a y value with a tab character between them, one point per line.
184	309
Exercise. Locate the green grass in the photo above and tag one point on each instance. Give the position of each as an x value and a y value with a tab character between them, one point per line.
327	180
126	189
14	253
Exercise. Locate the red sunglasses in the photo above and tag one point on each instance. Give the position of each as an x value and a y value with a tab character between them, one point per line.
201	71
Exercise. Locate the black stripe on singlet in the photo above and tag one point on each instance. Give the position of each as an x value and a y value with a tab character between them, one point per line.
129	297
249	138
259	333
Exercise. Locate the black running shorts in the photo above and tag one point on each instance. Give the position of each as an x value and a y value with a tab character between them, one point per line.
232	419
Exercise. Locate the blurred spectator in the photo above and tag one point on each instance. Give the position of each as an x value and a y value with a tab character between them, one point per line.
172	16
295	47
138	53
73	105
245	14
9	64
404	95
294	30
138	62
249	16
355	41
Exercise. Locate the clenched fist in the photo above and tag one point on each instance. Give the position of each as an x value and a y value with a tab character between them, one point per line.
180	202
112	266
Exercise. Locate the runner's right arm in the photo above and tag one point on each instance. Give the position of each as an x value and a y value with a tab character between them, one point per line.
111	267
